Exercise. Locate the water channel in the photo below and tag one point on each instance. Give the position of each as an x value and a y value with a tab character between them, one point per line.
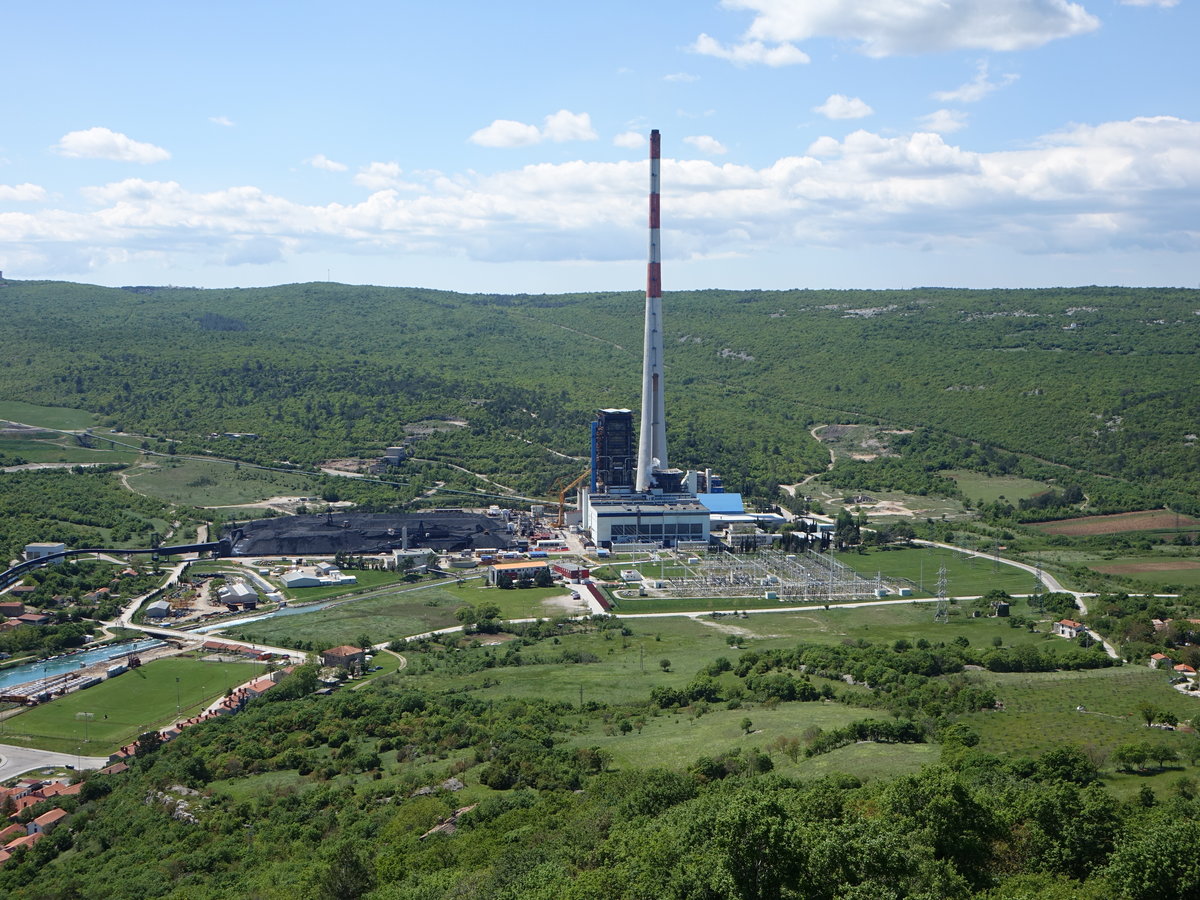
48	668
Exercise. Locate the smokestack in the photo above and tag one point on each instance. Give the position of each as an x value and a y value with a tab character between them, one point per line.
652	439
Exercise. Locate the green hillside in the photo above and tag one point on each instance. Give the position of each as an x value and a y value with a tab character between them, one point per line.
1095	379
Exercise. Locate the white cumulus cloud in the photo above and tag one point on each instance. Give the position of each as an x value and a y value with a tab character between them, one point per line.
1119	186
839	106
565	125
378	176
975	89
103	143
223	121
747	52
321	161
888	27
507	133
1163	3
21	193
944	121
706	144
558	127
630	140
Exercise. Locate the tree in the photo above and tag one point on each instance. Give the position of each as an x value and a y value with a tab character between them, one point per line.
746	725
343	874
1148	712
665	665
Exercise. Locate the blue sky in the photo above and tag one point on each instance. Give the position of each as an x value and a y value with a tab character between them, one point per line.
501	147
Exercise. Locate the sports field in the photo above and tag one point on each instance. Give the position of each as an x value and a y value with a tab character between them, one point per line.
116	711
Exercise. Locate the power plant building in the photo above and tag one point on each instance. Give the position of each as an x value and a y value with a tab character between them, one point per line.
639	499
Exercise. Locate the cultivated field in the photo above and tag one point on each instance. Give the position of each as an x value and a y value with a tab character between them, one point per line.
1185	572
119	710
1120	523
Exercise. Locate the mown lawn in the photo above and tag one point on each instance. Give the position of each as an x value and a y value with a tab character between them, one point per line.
126	706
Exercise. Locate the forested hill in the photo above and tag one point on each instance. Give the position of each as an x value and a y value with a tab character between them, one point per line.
1101	379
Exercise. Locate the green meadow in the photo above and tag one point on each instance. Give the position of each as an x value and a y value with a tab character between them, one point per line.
60	417
202	483
981	488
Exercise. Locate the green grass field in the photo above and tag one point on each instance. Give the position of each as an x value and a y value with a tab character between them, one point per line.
46	416
383	618
1041	709
982	488
408	610
195	482
966	576
368	579
63	449
126	706
676	739
628	667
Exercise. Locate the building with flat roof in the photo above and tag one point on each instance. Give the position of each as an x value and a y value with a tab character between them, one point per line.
42	550
665	520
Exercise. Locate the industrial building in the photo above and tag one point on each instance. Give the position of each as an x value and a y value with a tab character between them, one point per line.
442	530
633	499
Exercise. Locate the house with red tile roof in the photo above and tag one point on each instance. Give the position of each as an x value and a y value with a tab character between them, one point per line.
344	657
28	841
1069	628
1161	661
47	821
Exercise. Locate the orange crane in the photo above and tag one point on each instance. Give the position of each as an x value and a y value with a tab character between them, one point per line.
562	496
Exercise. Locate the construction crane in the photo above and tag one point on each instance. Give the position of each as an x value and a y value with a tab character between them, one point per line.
562	496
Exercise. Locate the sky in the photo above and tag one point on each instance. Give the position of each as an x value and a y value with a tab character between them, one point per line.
501	147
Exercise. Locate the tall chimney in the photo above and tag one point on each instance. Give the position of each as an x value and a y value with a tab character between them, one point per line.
652	439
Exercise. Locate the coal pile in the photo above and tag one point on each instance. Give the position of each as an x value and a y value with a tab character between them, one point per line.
324	535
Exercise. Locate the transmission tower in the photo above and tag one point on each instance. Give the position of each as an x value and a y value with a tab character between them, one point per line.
941	614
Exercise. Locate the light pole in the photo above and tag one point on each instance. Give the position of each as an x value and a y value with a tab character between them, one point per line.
177	696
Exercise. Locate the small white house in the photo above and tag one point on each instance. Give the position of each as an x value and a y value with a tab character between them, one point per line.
1069	628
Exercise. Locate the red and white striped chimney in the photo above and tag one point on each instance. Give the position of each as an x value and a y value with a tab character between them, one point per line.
652	439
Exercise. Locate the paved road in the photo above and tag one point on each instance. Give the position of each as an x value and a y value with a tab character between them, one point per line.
1052	584
16	761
